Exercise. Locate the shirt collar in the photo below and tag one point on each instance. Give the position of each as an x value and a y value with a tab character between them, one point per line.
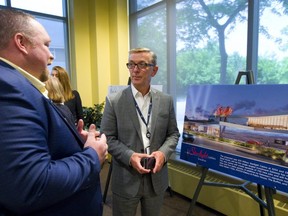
136	93
33	80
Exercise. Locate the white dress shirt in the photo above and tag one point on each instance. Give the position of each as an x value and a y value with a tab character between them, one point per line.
143	104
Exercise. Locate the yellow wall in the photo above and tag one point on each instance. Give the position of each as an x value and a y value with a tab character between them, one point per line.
99	46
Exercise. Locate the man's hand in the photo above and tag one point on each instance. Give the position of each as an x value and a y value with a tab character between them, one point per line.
136	164
82	132
160	160
99	144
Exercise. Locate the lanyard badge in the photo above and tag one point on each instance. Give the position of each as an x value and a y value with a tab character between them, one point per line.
148	133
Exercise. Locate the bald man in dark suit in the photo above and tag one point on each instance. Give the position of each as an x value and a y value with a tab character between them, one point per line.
48	168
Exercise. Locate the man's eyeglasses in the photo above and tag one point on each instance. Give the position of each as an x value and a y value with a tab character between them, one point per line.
141	65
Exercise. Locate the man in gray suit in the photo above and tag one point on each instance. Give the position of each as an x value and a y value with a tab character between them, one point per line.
141	130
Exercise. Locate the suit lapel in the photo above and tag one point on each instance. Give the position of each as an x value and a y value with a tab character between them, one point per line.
131	109
71	127
155	111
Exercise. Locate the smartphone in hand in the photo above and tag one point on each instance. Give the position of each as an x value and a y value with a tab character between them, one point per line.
148	163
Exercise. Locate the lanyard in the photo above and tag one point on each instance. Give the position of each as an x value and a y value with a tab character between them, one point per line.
148	134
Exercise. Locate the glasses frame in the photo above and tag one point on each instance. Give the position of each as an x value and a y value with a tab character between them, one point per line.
141	65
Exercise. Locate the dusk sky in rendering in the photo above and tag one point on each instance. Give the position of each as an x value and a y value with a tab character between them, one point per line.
245	100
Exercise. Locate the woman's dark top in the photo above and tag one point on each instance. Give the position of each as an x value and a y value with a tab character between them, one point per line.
75	106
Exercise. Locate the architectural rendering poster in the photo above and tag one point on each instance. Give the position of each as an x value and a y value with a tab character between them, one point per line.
240	130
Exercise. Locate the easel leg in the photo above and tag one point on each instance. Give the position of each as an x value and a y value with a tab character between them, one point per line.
269	201
197	191
259	189
107	182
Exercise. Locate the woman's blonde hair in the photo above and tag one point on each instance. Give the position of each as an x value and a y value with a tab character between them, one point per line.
63	77
55	90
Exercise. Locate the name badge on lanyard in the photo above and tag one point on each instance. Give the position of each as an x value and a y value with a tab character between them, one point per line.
148	133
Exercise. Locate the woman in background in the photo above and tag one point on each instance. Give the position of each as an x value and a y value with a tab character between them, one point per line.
71	97
55	93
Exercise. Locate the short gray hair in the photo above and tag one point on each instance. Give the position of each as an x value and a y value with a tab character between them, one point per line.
140	50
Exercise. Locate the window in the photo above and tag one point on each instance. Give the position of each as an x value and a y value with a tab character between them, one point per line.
58	47
52	15
273	43
52	7
140	4
211	44
151	31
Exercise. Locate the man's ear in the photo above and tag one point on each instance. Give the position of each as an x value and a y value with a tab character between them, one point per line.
21	42
155	69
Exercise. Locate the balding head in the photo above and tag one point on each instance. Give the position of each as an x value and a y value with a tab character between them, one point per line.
25	42
12	22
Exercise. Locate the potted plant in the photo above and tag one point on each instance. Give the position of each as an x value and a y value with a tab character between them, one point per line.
93	115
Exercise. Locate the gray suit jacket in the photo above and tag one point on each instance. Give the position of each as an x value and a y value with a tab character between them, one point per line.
121	125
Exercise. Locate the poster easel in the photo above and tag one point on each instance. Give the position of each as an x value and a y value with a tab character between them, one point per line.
269	204
249	77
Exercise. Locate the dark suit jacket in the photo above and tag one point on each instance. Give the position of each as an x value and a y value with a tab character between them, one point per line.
121	125
44	169
65	111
